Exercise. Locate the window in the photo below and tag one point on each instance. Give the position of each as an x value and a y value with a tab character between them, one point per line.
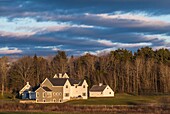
43	100
66	94
110	92
56	93
101	92
59	93
84	86
76	86
66	86
43	94
37	94
36	100
54	100
60	100
49	94
84	94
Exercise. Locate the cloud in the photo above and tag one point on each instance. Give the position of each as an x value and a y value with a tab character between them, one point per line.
127	21
11	50
96	26
100	52
53	48
29	26
120	22
105	42
123	45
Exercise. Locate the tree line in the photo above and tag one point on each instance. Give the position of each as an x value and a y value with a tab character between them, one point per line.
143	72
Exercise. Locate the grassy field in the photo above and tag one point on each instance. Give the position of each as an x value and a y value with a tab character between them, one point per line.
8	98
120	99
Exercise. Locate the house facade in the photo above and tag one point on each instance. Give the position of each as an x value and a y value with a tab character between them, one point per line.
60	89
27	93
101	91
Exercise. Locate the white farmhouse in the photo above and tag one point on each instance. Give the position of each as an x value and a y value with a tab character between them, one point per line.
60	89
101	91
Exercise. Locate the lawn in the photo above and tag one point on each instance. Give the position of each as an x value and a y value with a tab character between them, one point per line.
8	98
120	99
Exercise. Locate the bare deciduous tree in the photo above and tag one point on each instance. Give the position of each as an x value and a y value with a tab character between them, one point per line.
3	73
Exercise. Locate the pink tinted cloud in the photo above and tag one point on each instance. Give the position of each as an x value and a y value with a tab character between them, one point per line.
7	50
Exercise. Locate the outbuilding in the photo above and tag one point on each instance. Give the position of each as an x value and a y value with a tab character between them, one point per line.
101	91
27	93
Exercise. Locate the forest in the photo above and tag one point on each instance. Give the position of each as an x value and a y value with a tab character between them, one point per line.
144	72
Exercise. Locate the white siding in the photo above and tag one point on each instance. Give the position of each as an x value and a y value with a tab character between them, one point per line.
107	92
77	91
66	90
85	89
26	87
96	94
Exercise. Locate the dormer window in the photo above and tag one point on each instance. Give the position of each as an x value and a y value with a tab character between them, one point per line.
84	86
76	86
66	86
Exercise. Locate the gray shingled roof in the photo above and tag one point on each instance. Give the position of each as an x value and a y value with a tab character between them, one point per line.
97	88
58	81
73	81
46	89
81	82
62	81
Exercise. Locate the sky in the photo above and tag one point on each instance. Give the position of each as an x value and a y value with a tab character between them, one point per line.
43	27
